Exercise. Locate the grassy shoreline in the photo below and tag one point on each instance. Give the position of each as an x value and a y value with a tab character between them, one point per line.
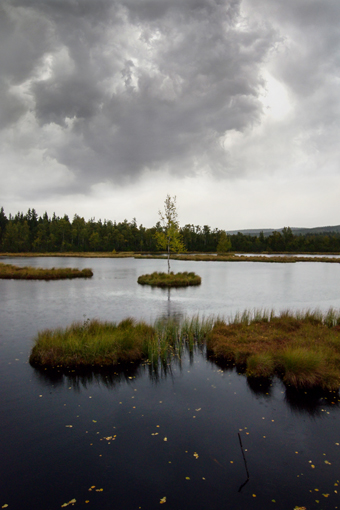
303	349
89	254
202	257
245	258
156	279
11	272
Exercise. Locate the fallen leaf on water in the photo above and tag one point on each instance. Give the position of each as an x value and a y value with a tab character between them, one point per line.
187	477
69	503
325	495
4	506
165	439
312	466
163	500
300	507
326	462
94	421
196	455
69	426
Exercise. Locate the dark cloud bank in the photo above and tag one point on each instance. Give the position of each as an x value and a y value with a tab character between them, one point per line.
132	85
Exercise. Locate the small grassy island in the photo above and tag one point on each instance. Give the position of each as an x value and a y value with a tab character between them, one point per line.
303	349
11	272
170	279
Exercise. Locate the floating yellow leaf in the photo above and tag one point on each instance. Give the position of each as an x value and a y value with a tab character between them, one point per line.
4	506
71	502
69	426
165	439
94	421
187	477
312	466
325	495
163	500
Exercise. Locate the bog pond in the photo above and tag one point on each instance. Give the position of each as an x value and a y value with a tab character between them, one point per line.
193	435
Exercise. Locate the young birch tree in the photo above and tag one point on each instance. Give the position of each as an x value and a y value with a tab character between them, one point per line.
170	238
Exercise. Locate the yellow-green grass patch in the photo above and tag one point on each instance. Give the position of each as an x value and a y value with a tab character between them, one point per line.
170	279
12	272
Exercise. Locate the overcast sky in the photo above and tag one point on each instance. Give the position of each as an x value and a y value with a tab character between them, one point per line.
107	106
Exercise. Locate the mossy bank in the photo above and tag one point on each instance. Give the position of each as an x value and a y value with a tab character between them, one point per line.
170	279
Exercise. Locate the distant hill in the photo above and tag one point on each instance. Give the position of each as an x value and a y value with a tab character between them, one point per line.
296	230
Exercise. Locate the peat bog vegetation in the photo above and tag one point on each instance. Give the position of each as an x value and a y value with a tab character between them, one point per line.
158	279
303	349
12	272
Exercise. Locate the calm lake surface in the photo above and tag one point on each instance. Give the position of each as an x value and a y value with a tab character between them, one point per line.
134	436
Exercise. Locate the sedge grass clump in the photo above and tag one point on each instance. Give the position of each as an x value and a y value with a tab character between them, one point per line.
96	343
302	348
302	366
157	279
260	365
11	272
92	343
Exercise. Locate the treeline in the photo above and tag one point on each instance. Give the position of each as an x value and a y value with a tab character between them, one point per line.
32	233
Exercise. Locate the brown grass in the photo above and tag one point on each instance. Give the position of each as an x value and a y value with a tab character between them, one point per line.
11	272
245	258
305	352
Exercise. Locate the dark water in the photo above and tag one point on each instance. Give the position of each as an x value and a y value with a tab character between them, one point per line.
54	427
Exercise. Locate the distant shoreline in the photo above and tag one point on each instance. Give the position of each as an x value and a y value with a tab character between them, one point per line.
282	257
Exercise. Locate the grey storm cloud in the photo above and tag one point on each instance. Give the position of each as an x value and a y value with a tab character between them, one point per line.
112	88
132	85
309	64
